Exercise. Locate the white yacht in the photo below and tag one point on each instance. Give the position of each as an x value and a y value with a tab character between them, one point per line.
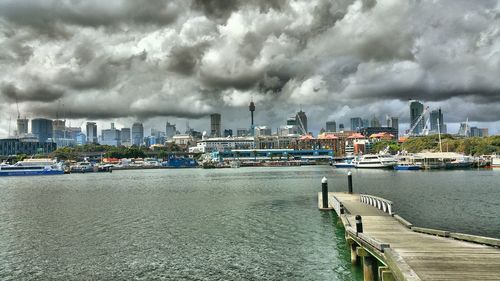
375	161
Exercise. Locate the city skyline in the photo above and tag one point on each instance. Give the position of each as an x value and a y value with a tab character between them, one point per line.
182	61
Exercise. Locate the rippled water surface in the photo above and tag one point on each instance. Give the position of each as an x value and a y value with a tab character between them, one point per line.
227	224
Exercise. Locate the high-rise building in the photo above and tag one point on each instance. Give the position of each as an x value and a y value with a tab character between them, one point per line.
91	132
111	136
42	129
262	131
436	118
22	126
356	123
416	110
215	127
242	132
393	122
228	133
170	131
365	123
464	130
341	127
291	121
137	134
301	121
331	126
374	122
125	137
59	129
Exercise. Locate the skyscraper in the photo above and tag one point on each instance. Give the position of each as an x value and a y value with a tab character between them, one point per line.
170	131
22	126
125	137
42	129
111	136
331	126
416	110
436	117
356	123
137	134
59	129
393	122
301	120
374	122
215	125
91	132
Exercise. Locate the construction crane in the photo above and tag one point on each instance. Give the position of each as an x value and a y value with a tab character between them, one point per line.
417	122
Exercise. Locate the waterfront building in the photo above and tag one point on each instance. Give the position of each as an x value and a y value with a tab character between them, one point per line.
91	132
137	134
377	130
277	142
222	144
184	141
262	131
22	127
28	146
42	129
301	121
111	136
228	133
356	123
170	131
242	132
331	126
436	116
215	125
416	110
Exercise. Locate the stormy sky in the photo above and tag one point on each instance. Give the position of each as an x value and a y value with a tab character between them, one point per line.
125	60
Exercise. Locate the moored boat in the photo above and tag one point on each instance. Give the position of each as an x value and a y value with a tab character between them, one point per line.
32	167
406	167
375	161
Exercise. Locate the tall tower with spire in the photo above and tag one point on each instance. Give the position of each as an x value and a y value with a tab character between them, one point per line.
252	109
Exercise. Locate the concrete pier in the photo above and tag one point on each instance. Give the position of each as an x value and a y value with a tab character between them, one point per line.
407	252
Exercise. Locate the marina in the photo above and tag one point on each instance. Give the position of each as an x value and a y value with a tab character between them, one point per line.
248	221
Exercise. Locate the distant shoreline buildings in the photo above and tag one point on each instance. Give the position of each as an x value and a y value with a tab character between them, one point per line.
46	134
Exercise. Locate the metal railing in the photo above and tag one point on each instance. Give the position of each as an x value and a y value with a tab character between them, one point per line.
377	202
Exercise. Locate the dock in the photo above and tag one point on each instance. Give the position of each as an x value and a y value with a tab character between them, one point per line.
388	247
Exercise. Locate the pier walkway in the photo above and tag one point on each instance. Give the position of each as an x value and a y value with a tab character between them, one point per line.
391	248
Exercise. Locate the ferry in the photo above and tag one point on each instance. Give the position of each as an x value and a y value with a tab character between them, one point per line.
32	167
495	161
375	161
348	163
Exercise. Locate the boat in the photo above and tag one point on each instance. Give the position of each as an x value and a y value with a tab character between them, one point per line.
83	167
375	161
495	161
406	167
348	163
459	163
32	167
180	162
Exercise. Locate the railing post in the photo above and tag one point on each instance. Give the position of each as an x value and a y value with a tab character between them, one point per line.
359	224
349	182
324	187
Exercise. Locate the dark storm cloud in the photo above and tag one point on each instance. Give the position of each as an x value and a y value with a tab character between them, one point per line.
184	59
36	92
187	58
46	15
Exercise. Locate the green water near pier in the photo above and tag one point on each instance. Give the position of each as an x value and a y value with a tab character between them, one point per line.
227	224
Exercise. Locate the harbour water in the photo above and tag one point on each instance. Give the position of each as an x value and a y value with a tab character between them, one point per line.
222	224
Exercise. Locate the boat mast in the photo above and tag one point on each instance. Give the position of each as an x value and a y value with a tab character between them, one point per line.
439	136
